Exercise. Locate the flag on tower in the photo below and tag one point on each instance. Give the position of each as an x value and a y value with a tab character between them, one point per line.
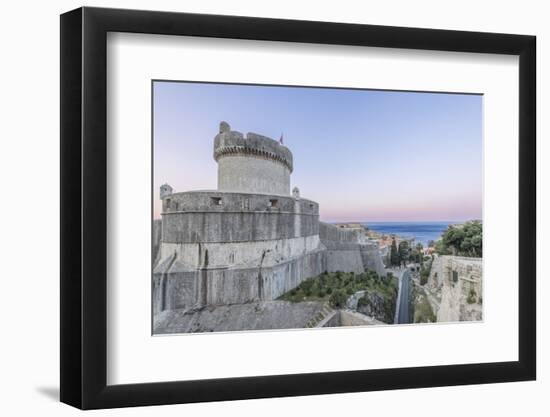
281	139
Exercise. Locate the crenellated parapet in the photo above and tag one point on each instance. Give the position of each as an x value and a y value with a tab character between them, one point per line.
251	163
231	143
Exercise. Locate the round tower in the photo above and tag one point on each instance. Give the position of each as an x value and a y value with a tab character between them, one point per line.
252	164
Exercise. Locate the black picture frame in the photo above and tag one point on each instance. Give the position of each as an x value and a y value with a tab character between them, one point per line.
84	207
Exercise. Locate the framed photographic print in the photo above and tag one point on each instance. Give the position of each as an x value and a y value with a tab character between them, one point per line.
257	207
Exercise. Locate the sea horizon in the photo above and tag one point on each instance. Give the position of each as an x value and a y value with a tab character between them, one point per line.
422	231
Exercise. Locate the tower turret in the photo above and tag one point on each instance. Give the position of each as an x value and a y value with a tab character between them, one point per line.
165	191
252	163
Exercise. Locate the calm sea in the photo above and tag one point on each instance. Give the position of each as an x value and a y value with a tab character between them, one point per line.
421	232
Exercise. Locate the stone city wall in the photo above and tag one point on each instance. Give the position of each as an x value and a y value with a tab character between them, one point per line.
175	287
330	232
239	254
192	275
343	251
227	248
435	278
236	259
156	237
372	259
349	250
219	201
231	217
458	283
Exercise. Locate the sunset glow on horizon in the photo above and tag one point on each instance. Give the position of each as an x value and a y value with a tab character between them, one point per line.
363	155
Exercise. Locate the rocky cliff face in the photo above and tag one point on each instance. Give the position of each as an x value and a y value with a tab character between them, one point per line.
378	305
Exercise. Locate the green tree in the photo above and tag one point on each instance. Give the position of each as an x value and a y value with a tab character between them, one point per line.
463	240
420	249
404	251
394	254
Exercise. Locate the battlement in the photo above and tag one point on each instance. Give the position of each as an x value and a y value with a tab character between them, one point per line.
233	143
252	164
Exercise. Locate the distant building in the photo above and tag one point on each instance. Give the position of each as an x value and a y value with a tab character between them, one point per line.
349	225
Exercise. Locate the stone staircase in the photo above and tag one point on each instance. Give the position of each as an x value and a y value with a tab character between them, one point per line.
325	312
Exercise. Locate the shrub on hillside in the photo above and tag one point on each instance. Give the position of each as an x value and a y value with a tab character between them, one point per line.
338	299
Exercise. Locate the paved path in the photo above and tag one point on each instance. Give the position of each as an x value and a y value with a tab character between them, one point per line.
403	296
405	290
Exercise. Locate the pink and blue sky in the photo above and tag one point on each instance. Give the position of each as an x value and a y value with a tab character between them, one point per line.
363	155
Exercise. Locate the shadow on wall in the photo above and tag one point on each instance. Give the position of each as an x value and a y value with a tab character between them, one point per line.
49	392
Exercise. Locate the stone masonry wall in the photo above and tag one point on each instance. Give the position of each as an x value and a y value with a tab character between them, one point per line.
349	250
458	281
192	275
174	287
156	238
246	174
236	217
239	254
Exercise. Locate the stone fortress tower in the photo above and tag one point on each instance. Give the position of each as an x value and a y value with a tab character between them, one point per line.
251	164
250	240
